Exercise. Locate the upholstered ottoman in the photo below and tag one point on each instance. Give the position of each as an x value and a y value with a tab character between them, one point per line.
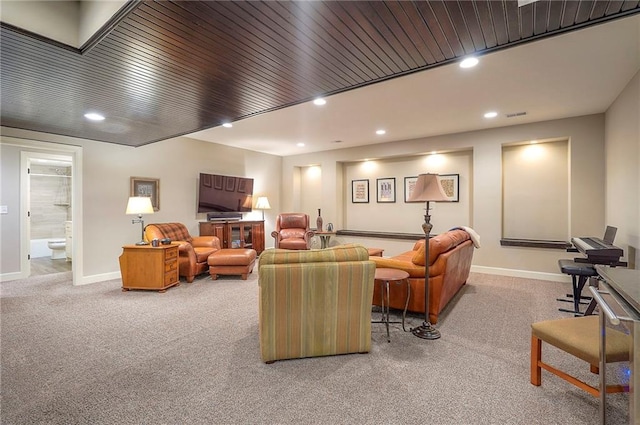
231	262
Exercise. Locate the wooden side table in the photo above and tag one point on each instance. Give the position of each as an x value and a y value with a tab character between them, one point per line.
149	267
385	276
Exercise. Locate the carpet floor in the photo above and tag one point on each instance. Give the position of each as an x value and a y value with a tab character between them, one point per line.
96	355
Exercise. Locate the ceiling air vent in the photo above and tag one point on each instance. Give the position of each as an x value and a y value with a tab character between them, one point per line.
515	114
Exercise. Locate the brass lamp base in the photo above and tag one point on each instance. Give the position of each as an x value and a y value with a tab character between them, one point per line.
426	331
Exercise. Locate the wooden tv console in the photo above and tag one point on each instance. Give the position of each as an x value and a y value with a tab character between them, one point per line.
236	234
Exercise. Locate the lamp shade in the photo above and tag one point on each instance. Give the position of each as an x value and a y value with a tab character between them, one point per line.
428	188
139	205
262	203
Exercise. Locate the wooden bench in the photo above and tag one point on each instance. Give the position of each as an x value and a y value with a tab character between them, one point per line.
578	336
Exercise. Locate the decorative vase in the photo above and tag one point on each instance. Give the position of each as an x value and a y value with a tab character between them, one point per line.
319	222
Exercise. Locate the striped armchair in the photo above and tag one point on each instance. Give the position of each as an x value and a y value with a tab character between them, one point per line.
315	303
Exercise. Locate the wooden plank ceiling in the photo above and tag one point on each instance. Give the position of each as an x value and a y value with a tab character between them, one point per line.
169	68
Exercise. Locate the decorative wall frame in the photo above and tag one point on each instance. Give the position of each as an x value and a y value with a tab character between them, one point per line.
217	182
409	185
242	185
360	191
230	184
386	189
451	185
144	186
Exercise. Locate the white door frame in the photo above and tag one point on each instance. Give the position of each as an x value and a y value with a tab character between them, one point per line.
36	149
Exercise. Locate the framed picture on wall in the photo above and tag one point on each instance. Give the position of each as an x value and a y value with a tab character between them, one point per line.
360	191
409	185
217	182
451	184
143	186
242	185
230	184
386	189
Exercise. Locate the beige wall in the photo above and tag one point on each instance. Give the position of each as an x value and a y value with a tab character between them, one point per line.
393	217
105	177
622	163
535	187
586	138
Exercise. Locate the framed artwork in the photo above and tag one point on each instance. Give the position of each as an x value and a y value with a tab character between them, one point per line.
451	184
217	182
386	189
359	191
242	185
230	184
409	185
143	186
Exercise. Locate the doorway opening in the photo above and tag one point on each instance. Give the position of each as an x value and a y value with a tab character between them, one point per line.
49	217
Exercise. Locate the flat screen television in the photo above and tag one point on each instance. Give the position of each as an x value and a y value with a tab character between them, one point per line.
218	193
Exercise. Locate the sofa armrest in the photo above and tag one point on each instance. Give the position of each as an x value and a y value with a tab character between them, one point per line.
206	241
414	270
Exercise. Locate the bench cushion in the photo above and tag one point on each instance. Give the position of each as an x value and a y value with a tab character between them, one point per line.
577	269
232	257
580	336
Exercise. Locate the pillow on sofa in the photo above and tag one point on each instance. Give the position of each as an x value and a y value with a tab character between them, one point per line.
439	244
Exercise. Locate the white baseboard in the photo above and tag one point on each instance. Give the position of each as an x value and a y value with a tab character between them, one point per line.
85	280
526	274
6	277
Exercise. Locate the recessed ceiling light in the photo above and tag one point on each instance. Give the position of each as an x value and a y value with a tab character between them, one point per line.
469	62
380	132
491	114
227	125
93	116
300	144
319	101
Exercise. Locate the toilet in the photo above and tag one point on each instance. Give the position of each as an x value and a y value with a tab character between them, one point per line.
57	247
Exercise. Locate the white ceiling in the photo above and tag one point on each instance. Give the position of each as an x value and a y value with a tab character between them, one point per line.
578	73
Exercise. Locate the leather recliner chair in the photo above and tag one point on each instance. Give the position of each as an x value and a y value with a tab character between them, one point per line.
292	231
193	252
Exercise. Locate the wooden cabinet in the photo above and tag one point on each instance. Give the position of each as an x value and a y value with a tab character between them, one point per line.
236	234
149	267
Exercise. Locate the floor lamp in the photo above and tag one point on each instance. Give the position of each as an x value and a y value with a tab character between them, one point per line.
262	204
139	205
427	189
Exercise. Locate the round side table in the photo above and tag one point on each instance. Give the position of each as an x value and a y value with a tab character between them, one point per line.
385	276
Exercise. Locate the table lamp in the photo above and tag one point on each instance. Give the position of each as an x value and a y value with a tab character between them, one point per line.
262	204
427	189
139	205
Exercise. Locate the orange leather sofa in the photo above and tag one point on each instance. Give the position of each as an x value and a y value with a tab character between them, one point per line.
450	256
193	252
